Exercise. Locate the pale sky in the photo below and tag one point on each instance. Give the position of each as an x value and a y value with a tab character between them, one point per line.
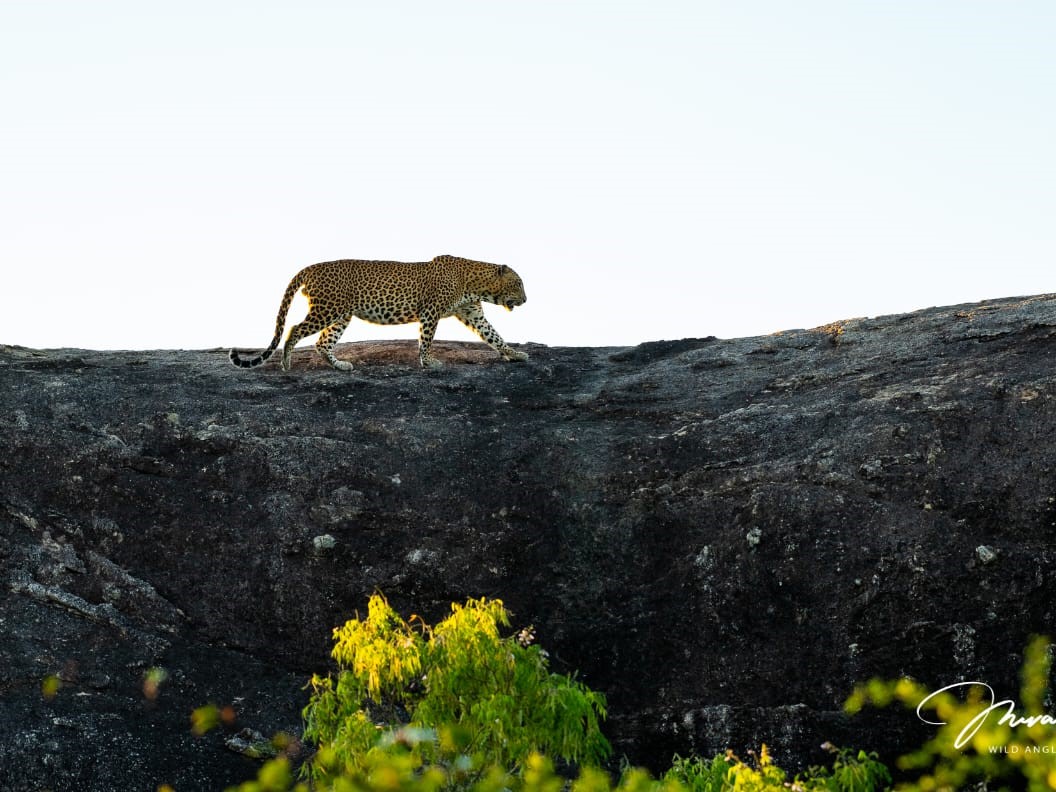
653	170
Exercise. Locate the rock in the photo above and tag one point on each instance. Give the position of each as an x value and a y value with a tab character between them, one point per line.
251	743
324	542
722	536
341	505
985	554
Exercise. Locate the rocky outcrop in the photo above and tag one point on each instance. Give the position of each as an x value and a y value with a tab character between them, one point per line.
723	536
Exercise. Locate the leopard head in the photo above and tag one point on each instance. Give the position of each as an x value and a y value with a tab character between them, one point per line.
494	283
507	288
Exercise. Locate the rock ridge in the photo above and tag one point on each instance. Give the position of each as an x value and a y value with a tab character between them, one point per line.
721	535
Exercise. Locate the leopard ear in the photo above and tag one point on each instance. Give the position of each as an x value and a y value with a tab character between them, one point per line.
503	269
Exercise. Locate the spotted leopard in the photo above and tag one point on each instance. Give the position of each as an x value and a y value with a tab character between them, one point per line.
394	292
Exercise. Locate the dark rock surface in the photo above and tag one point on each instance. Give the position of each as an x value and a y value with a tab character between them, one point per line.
723	536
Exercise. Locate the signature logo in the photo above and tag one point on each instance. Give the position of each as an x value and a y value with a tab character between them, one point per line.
1010	717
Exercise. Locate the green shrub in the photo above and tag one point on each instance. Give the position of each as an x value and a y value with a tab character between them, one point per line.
700	775
850	772
493	696
388	769
459	706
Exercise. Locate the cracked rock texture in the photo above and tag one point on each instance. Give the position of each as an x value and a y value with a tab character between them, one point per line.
722	536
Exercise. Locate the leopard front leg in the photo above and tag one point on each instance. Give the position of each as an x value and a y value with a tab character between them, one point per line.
472	316
428	321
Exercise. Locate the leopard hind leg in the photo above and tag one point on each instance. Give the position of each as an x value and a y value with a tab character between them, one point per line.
316	320
328	340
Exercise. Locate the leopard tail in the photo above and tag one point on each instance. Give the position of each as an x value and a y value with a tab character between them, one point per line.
280	323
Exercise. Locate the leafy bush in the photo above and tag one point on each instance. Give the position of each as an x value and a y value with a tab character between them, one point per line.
850	772
972	745
459	706
389	768
394	769
494	696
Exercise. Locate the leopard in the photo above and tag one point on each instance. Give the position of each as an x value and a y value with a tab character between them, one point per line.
391	293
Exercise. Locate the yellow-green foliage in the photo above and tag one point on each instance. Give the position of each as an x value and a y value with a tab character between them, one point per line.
972	745
460	707
396	764
850	772
488	695
388	771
